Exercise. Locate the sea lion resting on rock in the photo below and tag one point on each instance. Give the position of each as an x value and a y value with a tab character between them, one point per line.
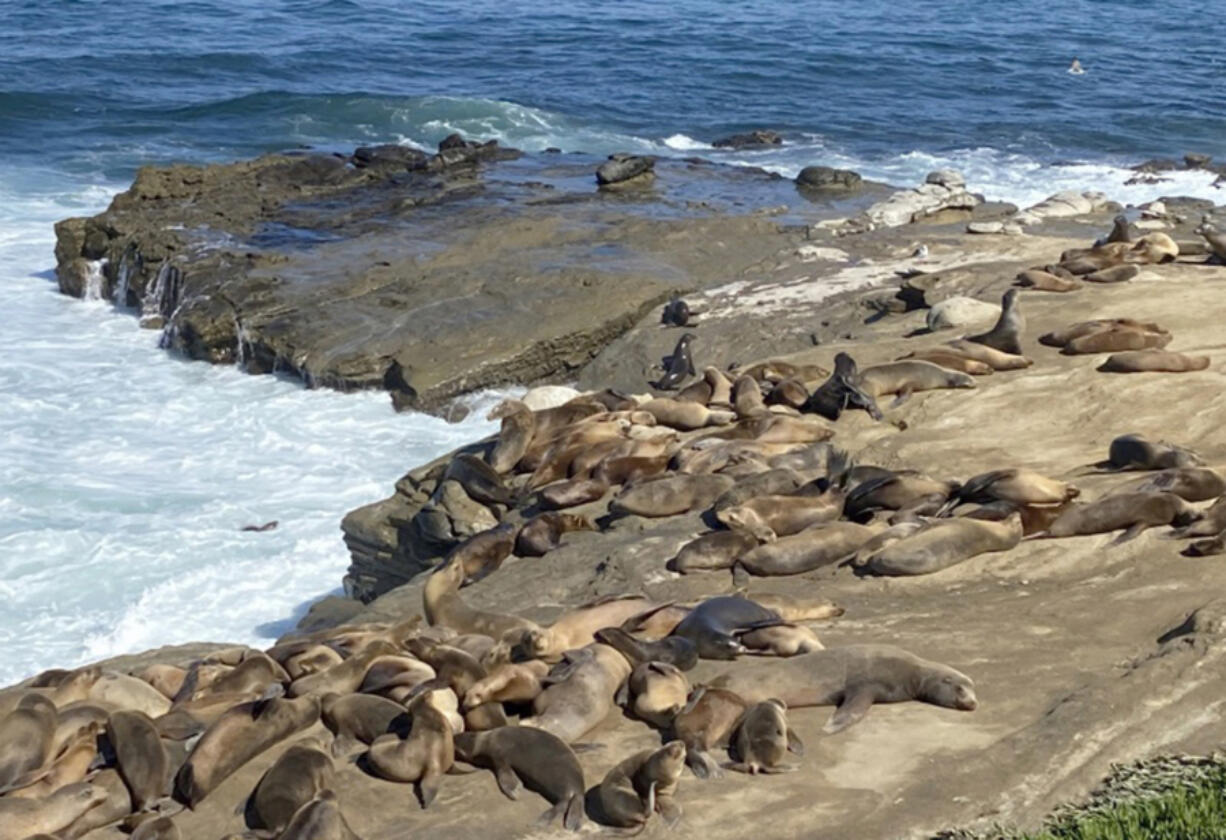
1136	452
853	678
708	721
543	533
990	355
686	416
713	624
442	605
1153	361
1192	484
655	692
1045	281
423	757
952	359
22	818
581	692
904	378
764	738
1114	339
1019	486
1082	329
672	650
297	777
768	517
670	496
1133	512
1212	521
643	784
508	682
945	543
807	550
577	628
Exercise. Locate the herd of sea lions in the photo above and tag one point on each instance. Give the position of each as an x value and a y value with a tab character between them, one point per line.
468	689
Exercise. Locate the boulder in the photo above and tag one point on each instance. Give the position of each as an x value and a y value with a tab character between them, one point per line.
961	312
1063	205
749	140
949	178
942	191
828	178
389	155
548	396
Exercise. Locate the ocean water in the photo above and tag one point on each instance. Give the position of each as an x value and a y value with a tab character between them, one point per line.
125	473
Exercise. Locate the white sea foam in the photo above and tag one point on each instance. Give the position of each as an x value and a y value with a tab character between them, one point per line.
684	143
126	473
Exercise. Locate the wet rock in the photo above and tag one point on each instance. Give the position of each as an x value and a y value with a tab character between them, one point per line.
828	178
1194	160
749	140
1063	205
621	168
389	155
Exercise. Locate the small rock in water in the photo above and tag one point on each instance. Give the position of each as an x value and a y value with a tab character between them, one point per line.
621	168
948	178
828	178
267	526
749	140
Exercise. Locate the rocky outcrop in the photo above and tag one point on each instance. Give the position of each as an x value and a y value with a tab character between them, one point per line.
942	197
1064	205
749	140
828	178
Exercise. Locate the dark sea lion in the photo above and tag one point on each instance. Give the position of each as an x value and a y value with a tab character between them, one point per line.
1153	361
140	757
300	774
319	819
1192	484
641	785
480	481
21	818
1133	512
267	526
1121	230
26	737
654	692
671	495
543	533
1006	335
571	493
676	313
841	392
508	682
673	650
764	739
889	490
1020	486
1114	274
852	677
360	717
712	625
443	606
945	543
990	355
482	554
807	550
1136	452
707	722
791	392
581	692
542	760
680	365
905	378
424	757
515	436
239	735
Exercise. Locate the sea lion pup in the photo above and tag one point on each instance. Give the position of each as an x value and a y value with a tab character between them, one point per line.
1133	512
1192	484
747	398
672	650
716	550
1212	521
1006	335
790	392
707	722
945	543
677	313
21	818
807	550
508	682
654	692
951	359
641	785
990	355
300	774
769	517
624	469
905	378
424	757
1136	452
852	677
671	495
841	392
140	757
458	671
1044	281
764	739
239	735
686	416
542	760
780	640
1153	361
319	819
354	718
677	366
1206	548
580	692
543	532
26	738
1017	485
576	628
442	605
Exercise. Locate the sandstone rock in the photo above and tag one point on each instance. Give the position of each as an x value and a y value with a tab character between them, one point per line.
828	178
961	312
948	178
749	140
389	155
548	396
1006	228
1062	205
925	201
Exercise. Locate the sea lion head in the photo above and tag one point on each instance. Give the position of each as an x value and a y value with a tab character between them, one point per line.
943	686
722	647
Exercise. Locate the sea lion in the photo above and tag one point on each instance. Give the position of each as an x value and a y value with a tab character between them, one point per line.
852	677
1115	339
782	429
542	760
543	532
442	605
508	682
713	625
679	365
841	392
1192	484
394	675
72	763
482	554
1006	335
1017	485
945	543
807	550
257	674
515	435
951	359
1044	281
1121	231
1153	361
343	678
1114	274
1133	512
641	785
300	774
716	550
319	819
905	378
1214	239
624	469
1207	548
714	390
124	692
458	671
140	757
1136	452
673	650
423	757
686	416
990	355
655	692
764	739
311	661
21	818
789	392
26	737
576	628
671	495
888	490
747	398
580	694
772	482
768	517
676	313
791	608
1212	521
167	679
360	717
239	735
708	721
481	482
116	805
780	640
572	493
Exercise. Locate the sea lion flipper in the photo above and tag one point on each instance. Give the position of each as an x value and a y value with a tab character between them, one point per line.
635	622
669	810
855	705
740	577
428	787
573	821
1131	532
692	700
508	782
902	396
622	697
795	745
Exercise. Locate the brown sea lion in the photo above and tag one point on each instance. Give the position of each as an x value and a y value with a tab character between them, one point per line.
542	760
1133	512
641	785
576	628
1044	281
300	774
508	682
116	804
716	550
793	608
686	416
764	739
807	550
543	533
654	692
1153	361
1115	339
515	436
945	543
627	468
1192	484
442	605
889	490
1006	335
905	378
852	677
124	692
1017	485
951	359
167	679
72	762
781	428
343	678
1114	274
1212	521
670	496
571	493
140	757
27	735
780	640
772	482
707	722
990	355
423	757
581	691
1082	329
394	675
319	819
747	398
768	517
353	718
21	818
458	671
483	554
791	392
480	481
